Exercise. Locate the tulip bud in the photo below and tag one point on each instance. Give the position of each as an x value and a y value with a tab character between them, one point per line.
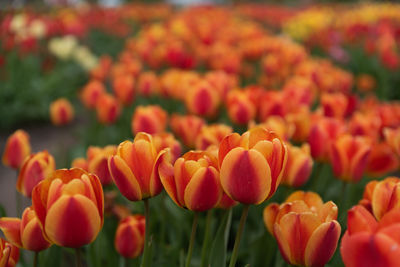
381	161
80	163
202	99
69	206
61	112
134	168
240	107
98	162
305	228
124	89
91	92
349	157
149	119
129	237
212	135
251	165
187	128
36	168
9	254
17	149
148	84
222	81
277	125
334	105
193	181
108	109
299	166
25	233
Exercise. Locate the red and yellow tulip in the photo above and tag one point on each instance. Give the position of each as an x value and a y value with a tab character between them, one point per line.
149	119
61	112
9	254
17	149
129	237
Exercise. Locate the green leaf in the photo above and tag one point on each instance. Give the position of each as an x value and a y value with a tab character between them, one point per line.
220	243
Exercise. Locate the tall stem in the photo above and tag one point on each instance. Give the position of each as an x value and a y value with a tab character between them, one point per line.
204	250
192	238
235	251
18	201
147	241
36	259
78	257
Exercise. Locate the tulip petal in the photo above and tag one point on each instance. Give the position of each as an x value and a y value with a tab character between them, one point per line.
203	191
166	172
72	221
128	241
227	144
322	244
246	176
32	237
124	179
360	220
269	216
11	228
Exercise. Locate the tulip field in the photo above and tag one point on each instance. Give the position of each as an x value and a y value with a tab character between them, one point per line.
244	134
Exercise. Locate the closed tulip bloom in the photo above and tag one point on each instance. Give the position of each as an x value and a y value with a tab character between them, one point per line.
369	243
305	228
149	119
334	105
17	149
148	84
380	197
278	125
91	92
300	118
299	166
240	108
69	206
108	109
187	128
134	168
193	181
24	233
97	159
9	254
222	81
129	237
381	161
61	112
323	132
212	135
349	157
124	89
165	140
80	163
251	165
36	168
202	99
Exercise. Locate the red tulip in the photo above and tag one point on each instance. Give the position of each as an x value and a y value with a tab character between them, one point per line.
17	149
129	237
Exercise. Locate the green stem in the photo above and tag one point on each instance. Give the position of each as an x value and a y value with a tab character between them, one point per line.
192	238
36	259
204	250
317	176
239	235
343	203
78	257
147	241
126	262
18	201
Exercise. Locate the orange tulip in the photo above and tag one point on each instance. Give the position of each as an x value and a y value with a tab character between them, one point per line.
149	119
371	243
240	107
61	112
300	118
382	197
251	165
202	99
381	161
36	168
17	149
97	160
277	125
305	228
167	140
148	84
272	103
212	135
9	254
323	132
392	137
25	233
222	81
124	89
80	163
349	157
134	168
193	181
91	92
108	109
365	124
299	166
69	205
187	128
366	83
129	237
334	105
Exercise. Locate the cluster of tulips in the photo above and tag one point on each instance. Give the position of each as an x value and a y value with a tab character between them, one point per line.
373	26
224	114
